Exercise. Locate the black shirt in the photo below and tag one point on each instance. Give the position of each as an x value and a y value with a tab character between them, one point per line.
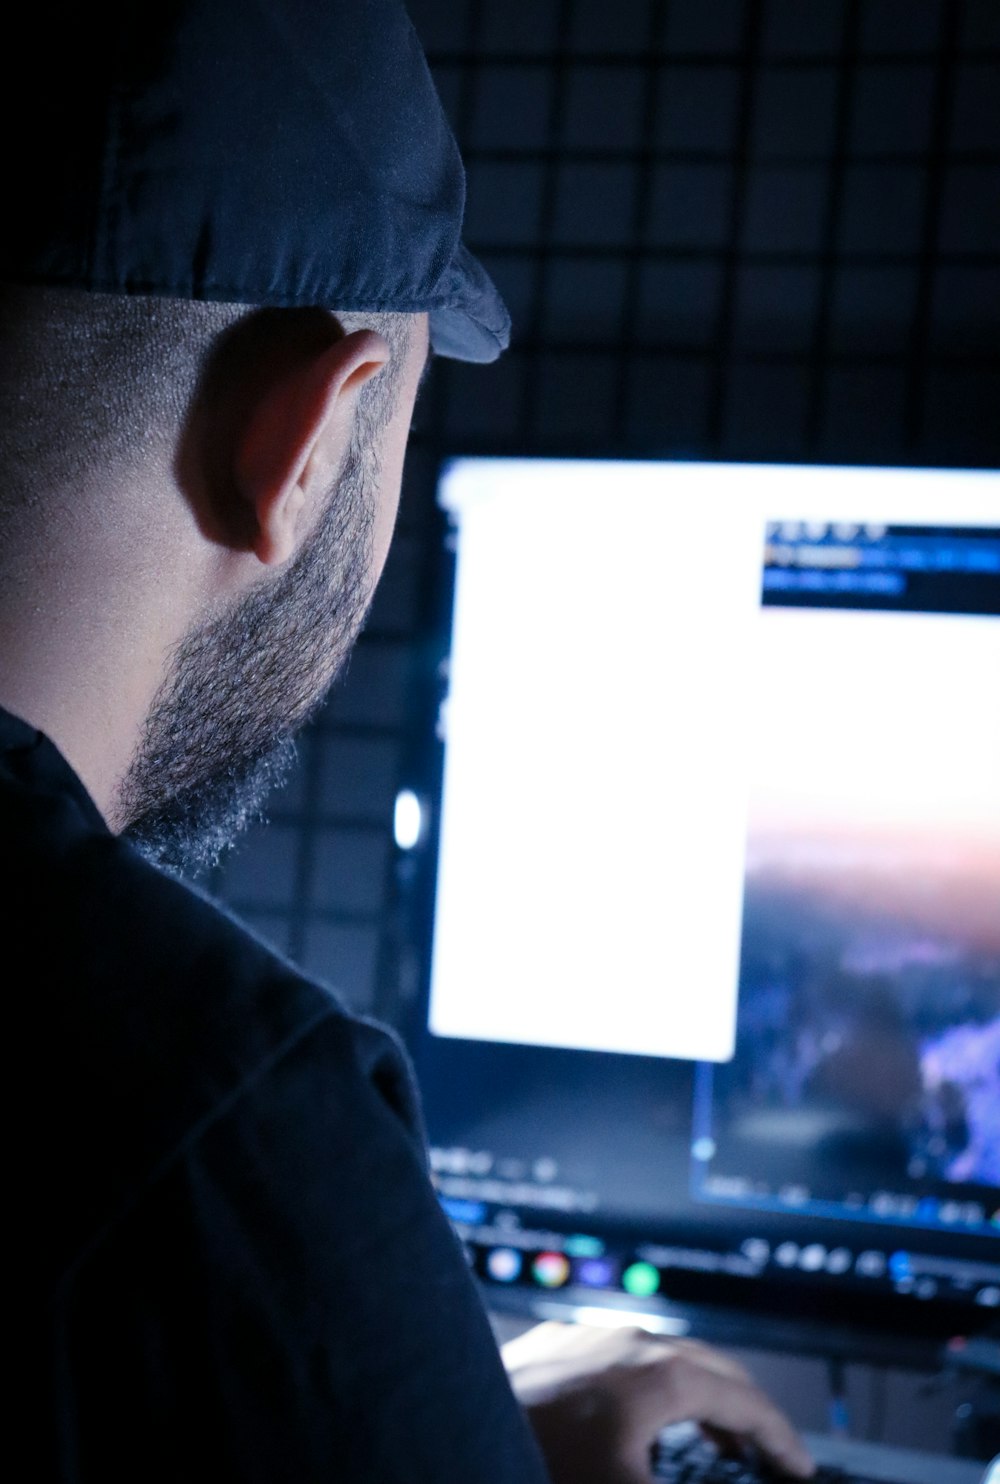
247	1274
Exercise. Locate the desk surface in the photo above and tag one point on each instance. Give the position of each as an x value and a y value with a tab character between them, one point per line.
894	1465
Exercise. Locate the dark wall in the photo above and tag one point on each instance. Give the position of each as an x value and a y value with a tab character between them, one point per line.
747	229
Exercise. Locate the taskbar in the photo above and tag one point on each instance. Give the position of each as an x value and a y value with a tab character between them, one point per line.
507	1251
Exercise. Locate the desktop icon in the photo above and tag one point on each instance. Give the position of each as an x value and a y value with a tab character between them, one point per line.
756	1250
504	1264
595	1272
641	1279
786	1254
550	1269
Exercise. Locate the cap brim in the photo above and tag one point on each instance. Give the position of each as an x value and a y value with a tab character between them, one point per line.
472	324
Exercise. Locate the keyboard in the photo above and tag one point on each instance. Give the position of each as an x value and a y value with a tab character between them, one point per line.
683	1455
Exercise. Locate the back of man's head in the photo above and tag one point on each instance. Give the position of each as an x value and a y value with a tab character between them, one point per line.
217	157
225	225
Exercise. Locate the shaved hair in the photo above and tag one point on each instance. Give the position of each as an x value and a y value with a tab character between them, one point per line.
92	383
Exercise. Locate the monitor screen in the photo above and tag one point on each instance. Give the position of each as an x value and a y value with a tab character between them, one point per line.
711	950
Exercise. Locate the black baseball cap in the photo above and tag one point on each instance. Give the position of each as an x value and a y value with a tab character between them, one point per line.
272	152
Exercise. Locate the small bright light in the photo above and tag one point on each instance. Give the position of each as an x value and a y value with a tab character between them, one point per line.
656	1324
407	819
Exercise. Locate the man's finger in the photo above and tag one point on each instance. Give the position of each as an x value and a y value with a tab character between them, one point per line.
741	1410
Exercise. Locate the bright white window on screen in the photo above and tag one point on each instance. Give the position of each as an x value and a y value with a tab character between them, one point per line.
608	697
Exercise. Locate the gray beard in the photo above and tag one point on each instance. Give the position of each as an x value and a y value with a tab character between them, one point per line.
219	736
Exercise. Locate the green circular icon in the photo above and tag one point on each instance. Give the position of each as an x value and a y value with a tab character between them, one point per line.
641	1279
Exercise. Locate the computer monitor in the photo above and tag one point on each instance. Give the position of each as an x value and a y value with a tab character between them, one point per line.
706	908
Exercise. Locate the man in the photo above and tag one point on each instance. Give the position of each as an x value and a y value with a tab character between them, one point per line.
235	238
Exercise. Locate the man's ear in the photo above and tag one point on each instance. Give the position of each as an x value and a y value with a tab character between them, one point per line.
295	440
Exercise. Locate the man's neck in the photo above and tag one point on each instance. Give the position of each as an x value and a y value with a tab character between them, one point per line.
83	667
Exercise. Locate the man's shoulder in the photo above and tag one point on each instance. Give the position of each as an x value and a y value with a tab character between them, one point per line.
153	1014
234	1220
189	1029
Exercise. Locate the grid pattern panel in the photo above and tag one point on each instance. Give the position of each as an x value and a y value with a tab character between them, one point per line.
749	229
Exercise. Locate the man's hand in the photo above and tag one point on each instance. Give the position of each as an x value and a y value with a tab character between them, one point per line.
598	1398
